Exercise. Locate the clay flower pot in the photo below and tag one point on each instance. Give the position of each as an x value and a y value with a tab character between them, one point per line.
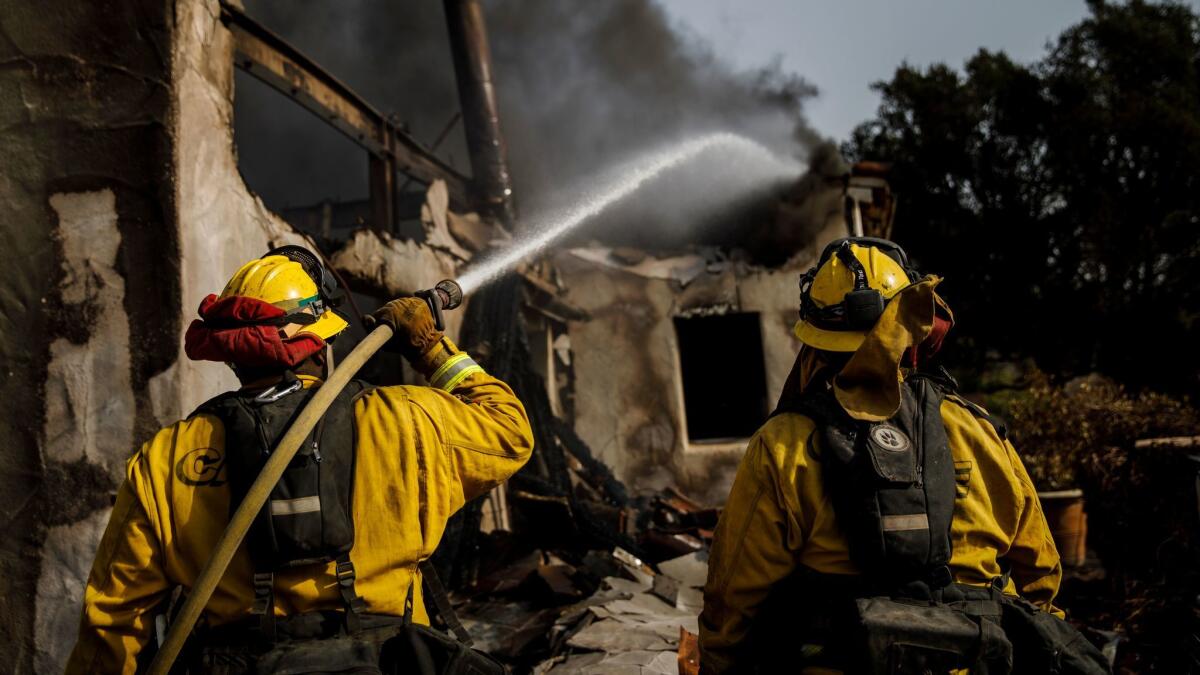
1067	518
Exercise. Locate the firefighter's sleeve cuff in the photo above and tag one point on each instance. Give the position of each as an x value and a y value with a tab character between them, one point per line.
446	367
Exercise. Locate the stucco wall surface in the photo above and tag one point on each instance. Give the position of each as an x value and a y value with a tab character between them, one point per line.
221	223
628	385
389	267
89	296
123	208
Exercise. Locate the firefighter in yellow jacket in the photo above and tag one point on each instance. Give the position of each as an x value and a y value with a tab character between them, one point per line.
872	482
418	454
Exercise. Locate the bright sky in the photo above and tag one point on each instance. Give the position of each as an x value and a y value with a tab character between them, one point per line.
843	46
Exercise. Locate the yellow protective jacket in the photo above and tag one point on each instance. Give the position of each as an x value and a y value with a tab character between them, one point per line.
779	517
422	452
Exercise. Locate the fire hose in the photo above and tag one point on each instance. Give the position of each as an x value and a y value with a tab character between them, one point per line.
446	295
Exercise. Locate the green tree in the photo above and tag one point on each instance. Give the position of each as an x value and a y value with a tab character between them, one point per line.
1060	199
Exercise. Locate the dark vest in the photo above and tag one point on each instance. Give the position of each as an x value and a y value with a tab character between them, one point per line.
308	521
308	518
891	482
893	489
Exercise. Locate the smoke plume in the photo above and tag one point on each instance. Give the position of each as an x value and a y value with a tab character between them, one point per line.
583	86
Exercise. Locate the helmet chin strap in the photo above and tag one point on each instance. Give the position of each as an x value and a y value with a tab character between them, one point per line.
846	255
329	365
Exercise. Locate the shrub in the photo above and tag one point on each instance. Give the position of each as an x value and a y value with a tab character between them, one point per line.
1063	430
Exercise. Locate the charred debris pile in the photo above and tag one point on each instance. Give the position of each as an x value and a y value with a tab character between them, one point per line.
564	569
576	574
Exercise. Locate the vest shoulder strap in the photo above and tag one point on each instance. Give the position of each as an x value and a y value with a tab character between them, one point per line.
220	403
440	599
216	405
359	389
820	407
817	404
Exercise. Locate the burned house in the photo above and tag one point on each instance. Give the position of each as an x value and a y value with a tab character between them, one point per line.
682	356
649	369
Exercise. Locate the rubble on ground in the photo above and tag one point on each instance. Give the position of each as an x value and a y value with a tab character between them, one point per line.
577	573
596	611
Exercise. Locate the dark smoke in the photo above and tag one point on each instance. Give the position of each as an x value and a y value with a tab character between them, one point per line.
582	85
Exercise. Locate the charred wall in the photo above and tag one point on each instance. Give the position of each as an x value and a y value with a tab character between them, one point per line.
221	223
123	207
90	269
629	395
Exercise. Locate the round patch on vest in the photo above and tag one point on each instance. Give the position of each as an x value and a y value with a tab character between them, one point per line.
890	438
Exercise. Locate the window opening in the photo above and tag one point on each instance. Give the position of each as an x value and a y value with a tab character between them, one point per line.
724	377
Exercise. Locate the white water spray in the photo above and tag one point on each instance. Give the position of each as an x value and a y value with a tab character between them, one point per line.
736	153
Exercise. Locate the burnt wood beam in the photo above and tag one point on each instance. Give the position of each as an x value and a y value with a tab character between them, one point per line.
281	66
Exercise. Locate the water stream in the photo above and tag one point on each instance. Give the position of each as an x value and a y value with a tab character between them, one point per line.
722	149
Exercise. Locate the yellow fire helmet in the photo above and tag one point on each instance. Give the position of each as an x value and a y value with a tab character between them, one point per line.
843	296
279	279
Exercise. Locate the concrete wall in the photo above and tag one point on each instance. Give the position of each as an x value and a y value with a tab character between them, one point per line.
89	255
221	223
123	207
388	267
628	385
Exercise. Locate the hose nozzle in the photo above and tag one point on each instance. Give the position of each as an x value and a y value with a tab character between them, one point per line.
446	294
450	293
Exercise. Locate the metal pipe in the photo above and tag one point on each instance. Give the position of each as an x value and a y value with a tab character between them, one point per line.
481	119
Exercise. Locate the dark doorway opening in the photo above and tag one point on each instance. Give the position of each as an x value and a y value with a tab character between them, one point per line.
724	377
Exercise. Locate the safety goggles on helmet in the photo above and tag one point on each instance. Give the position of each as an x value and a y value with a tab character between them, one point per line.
325	322
862	306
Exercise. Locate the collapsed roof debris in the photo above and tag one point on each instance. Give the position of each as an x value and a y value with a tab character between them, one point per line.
609	612
590	579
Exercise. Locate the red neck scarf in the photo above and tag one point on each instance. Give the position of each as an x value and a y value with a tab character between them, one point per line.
231	330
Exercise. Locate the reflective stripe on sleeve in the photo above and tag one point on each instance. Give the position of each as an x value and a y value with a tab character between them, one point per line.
456	369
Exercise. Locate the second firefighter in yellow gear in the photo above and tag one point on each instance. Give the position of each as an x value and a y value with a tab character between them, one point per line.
779	518
422	453
780	551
